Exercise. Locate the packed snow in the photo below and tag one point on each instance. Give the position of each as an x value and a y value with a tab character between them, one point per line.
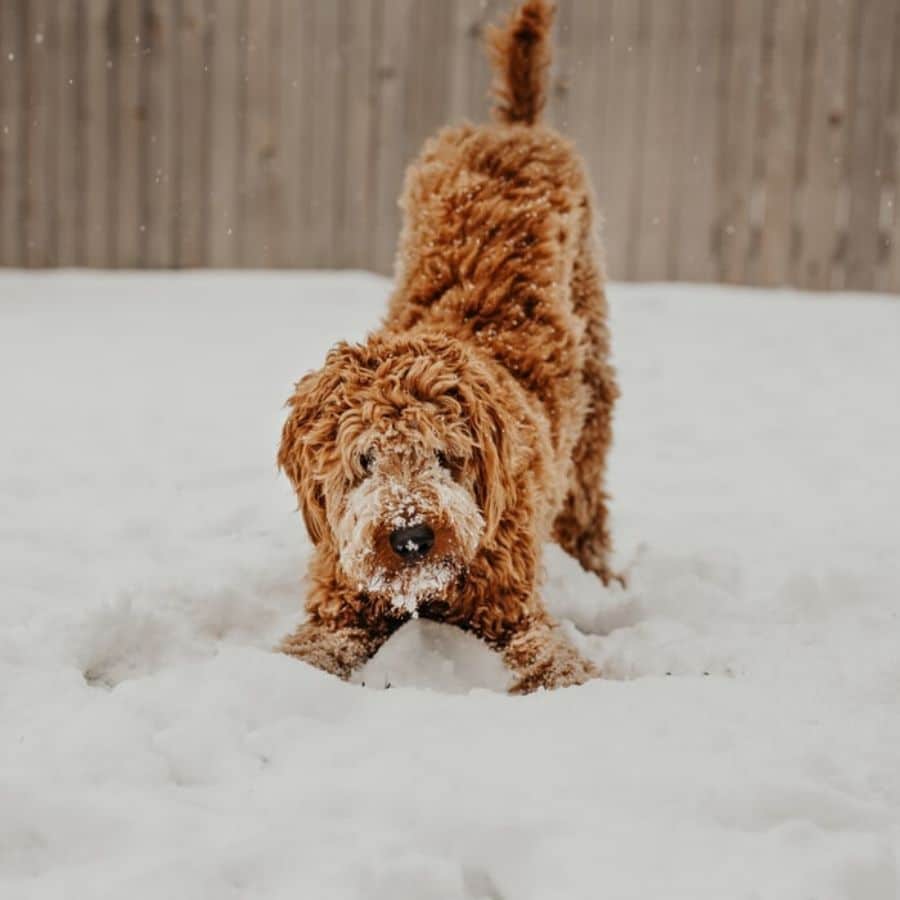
745	742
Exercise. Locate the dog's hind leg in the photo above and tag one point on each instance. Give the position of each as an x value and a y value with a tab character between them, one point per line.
339	651
581	527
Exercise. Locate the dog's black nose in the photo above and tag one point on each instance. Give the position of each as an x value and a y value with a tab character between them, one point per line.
412	543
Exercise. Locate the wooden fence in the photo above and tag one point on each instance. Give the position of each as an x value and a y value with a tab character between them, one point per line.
751	141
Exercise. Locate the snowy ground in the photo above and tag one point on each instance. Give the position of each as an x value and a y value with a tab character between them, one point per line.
745	744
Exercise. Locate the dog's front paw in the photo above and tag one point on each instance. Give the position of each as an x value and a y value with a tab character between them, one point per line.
551	674
337	651
544	659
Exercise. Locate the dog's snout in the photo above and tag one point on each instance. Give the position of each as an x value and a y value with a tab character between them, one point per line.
412	543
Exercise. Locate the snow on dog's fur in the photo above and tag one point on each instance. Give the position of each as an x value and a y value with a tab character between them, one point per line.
406	486
433	461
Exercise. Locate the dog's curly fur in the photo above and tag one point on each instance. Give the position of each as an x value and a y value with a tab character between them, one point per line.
482	407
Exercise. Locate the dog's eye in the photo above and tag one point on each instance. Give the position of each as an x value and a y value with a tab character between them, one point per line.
365	462
443	462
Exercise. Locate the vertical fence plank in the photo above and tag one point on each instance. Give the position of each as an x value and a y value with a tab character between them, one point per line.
226	79
393	65
12	61
158	132
624	140
322	192
274	182
274	154
346	187
694	227
663	115
588	91
804	115
590	25
823	146
64	39
840	258
640	59
368	242
192	120
259	188
98	226
887	276
465	18
739	113
466	39
354	217
295	127
867	120
127	114
428	93
777	141
40	209
323	187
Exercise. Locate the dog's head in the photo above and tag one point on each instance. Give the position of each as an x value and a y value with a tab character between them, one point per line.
402	457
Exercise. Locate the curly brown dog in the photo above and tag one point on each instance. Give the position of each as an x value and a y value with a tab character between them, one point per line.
432	462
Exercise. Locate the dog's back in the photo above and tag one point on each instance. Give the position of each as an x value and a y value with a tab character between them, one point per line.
499	249
498	245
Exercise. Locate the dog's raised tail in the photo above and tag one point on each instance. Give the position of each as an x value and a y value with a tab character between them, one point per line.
520	53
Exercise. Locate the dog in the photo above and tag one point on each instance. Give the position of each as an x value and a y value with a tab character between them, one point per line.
433	461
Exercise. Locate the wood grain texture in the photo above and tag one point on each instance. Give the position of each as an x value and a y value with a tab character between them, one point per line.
159	69
41	64
259	184
226	130
127	116
392	71
868	119
753	141
695	225
295	126
355	219
191	184
65	40
887	276
739	115
822	147
779	139
663	112
12	133
624	140
97	141
323	133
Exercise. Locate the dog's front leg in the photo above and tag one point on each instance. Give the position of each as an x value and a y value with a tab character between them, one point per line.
539	656
338	650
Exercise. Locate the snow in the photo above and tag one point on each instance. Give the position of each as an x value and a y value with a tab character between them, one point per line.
744	743
407	589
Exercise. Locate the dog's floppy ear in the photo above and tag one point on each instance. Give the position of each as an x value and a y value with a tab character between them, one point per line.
294	456
309	434
497	442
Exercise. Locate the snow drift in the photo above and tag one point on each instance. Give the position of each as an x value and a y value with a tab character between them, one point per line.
744	743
